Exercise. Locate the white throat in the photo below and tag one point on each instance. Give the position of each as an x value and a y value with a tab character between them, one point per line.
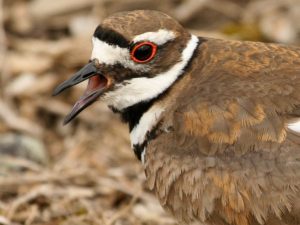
144	89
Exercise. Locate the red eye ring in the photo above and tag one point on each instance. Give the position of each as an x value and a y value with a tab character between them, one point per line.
148	57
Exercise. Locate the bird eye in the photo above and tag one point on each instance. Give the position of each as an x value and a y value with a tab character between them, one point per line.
143	52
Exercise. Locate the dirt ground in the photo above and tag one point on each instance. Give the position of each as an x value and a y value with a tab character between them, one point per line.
85	172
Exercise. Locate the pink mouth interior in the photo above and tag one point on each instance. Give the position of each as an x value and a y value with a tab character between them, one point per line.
95	83
95	88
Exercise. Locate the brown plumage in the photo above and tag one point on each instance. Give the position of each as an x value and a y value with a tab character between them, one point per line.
221	152
231	158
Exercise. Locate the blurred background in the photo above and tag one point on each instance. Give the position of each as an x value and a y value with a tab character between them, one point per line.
85	172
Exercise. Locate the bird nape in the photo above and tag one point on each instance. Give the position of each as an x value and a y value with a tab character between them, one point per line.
211	120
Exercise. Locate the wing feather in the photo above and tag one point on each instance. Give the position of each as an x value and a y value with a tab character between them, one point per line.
235	110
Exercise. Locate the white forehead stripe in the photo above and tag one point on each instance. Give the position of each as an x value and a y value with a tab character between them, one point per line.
143	88
159	37
108	54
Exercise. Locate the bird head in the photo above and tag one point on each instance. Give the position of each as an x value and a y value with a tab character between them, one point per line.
136	56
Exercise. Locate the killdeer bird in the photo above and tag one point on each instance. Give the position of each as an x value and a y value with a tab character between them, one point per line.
214	122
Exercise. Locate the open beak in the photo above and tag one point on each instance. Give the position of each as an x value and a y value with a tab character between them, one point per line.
97	84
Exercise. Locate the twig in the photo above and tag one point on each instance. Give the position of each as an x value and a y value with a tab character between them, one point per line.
124	210
19	162
49	191
188	9
4	220
32	215
92	213
229	9
123	188
41	178
3	46
14	121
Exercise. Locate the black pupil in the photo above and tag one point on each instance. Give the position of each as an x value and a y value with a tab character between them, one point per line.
143	52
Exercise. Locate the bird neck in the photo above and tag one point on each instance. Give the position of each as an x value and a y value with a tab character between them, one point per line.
143	117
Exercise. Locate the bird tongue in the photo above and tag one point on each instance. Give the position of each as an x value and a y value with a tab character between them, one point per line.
94	89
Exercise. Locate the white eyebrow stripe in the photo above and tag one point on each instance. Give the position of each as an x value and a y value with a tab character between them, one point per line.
159	37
